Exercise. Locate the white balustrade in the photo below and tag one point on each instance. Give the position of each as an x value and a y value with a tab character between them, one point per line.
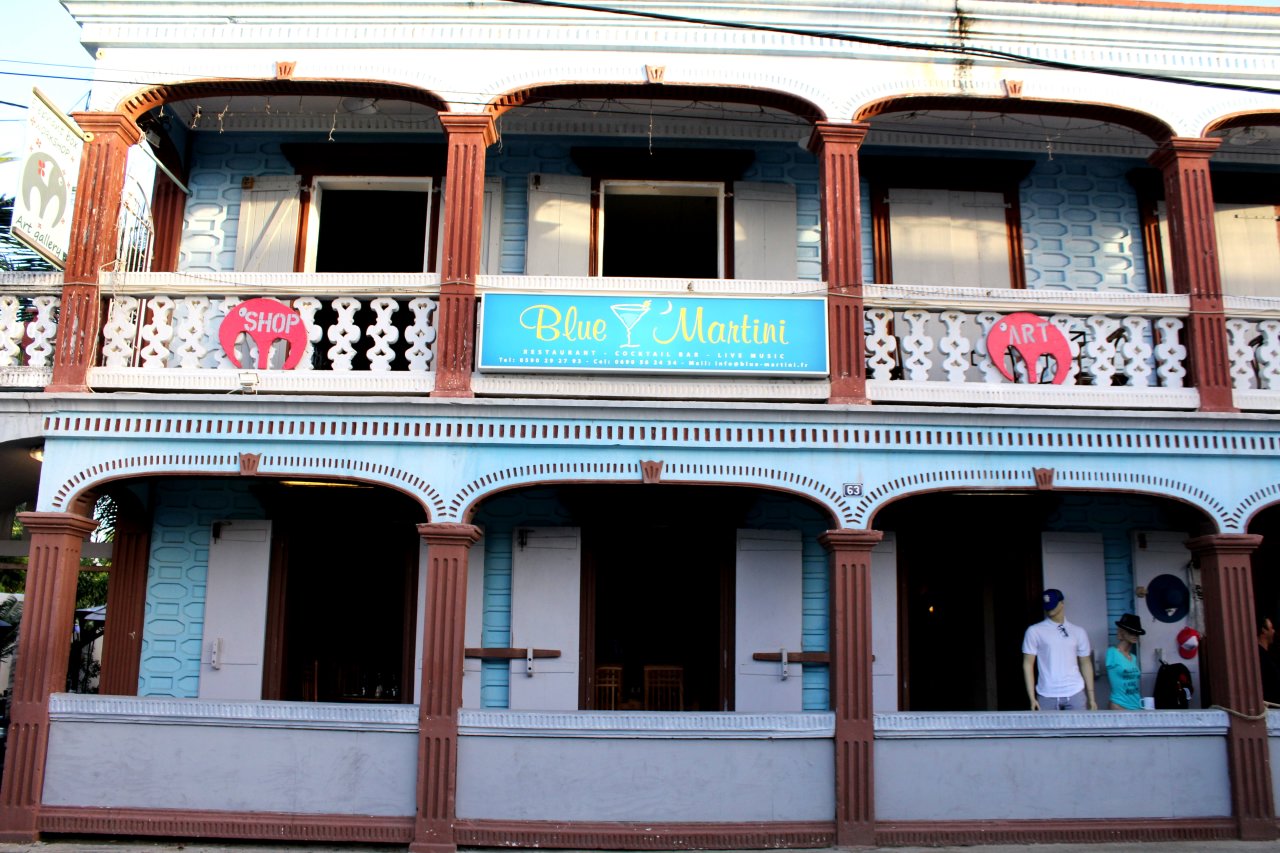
950	346
27	334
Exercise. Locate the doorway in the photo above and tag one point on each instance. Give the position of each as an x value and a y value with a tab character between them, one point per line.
343	595
657	605
963	611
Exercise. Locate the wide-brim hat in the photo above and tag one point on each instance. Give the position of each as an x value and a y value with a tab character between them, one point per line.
1131	623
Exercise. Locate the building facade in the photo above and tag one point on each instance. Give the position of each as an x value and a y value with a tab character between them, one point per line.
646	427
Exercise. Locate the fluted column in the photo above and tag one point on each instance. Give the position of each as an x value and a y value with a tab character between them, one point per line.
40	667
1193	252
1231	643
442	638
850	620
469	136
94	226
840	200
126	602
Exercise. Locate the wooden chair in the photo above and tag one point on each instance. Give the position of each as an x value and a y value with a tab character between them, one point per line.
608	688
663	688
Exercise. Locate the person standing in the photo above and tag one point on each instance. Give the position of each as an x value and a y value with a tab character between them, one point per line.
1060	652
1124	673
1267	663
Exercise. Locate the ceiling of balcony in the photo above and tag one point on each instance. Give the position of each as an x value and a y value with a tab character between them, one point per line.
332	116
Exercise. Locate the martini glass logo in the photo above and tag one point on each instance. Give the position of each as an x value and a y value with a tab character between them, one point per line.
630	313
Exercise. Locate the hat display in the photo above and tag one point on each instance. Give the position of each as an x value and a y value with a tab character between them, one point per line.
1051	598
1168	598
1131	623
1188	642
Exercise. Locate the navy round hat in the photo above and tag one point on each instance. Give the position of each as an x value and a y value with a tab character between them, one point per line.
1051	598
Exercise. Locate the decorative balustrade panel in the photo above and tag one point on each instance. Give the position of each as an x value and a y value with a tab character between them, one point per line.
28	330
355	343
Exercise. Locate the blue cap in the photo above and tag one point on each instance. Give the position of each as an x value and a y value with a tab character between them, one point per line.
1052	597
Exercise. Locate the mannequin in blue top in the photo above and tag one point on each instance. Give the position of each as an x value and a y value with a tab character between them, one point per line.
1123	670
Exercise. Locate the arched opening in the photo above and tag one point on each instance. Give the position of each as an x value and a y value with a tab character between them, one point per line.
963	607
650	598
1266	579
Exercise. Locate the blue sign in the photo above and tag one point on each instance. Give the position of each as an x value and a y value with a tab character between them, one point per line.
784	336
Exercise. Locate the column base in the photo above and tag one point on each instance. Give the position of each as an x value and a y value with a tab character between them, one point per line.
18	825
432	847
1259	829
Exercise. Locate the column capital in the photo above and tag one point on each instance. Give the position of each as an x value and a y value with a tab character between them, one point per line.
1184	148
449	533
828	132
470	123
58	523
850	540
108	124
1224	543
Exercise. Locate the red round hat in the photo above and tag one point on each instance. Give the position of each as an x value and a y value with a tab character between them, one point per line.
1188	642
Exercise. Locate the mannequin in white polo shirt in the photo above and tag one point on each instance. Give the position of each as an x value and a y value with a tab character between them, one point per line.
1059	651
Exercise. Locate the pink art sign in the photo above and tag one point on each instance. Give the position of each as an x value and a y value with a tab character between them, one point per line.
1030	337
265	321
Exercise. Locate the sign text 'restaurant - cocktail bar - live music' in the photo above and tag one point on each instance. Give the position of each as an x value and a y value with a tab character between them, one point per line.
657	334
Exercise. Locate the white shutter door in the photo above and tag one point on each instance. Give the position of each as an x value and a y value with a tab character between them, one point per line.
1248	249
1073	563
235	610
884	625
473	633
1155	554
767	618
491	239
559	241
546	574
764	231
268	226
949	238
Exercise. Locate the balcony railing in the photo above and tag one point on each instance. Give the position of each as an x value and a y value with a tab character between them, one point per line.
375	334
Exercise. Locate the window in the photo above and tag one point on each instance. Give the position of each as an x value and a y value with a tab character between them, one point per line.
368	225
662	229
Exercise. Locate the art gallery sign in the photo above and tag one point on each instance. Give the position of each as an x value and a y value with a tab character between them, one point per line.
783	336
50	167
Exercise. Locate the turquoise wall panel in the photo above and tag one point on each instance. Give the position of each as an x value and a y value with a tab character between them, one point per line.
173	624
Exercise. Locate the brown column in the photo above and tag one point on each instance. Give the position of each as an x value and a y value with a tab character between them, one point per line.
1193	249
94	227
1231	643
126	602
442	647
851	682
469	136
840	197
168	207
40	667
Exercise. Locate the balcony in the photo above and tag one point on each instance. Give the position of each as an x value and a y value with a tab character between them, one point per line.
375	334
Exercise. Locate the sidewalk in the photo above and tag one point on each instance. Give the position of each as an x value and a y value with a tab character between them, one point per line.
96	845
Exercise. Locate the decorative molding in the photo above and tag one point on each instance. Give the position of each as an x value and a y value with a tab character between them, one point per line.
1012	88
642	724
192	823
655	73
586	835
158	710
1024	724
284	70
1072	831
249	464
1043	478
651	471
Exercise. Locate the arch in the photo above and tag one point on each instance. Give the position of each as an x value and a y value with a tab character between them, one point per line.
1263	118
465	503
996	481
569	91
265	466
1144	123
145	100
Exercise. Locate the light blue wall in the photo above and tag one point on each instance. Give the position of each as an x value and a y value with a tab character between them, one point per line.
219	162
176	573
1081	228
499	518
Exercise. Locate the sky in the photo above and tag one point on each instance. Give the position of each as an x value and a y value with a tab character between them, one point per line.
42	43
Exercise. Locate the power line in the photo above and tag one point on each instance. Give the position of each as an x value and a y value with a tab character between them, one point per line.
962	50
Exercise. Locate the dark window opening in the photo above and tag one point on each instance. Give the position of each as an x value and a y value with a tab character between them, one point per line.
662	236
372	231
